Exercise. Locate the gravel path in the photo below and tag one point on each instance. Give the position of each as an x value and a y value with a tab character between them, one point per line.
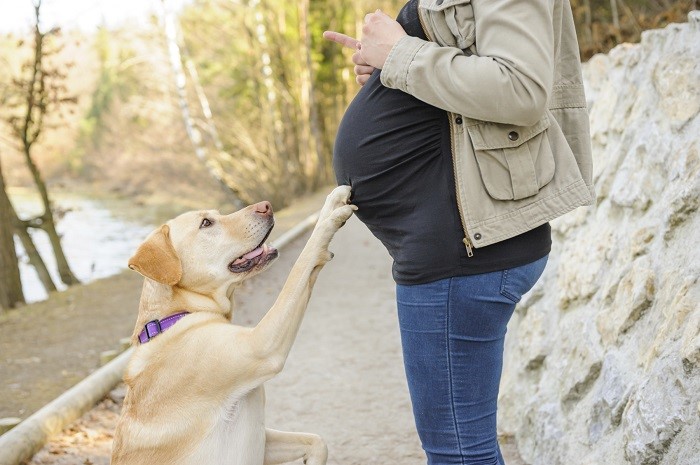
344	377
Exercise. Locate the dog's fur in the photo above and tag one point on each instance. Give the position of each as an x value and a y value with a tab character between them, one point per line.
195	392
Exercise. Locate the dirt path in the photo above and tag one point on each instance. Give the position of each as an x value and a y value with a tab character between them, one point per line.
344	378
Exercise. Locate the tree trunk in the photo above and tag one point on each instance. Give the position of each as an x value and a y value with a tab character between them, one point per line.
212	164
616	20
48	224
632	16
273	125
235	195
34	257
588	23
29	132
306	148
11	293
316	165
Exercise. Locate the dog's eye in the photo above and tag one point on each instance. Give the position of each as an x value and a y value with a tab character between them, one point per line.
206	222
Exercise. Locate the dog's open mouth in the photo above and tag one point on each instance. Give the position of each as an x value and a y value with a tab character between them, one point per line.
263	253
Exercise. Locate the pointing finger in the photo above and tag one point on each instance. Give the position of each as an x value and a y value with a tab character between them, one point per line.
342	39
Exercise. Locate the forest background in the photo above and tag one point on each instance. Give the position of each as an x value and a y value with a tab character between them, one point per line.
220	104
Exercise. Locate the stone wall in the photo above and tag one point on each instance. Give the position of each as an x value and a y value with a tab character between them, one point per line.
603	355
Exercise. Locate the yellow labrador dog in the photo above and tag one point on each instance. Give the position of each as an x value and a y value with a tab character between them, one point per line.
195	380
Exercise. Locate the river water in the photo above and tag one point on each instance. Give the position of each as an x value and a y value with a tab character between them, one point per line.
96	240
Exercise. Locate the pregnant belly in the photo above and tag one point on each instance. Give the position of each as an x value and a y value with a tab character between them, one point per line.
386	139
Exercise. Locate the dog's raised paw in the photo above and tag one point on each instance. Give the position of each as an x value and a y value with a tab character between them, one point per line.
340	196
341	214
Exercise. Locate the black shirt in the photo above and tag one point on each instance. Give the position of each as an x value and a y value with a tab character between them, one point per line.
395	152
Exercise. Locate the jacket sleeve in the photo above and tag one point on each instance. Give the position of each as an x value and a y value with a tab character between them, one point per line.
508	82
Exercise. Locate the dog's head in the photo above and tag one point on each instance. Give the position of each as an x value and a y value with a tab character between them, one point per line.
205	252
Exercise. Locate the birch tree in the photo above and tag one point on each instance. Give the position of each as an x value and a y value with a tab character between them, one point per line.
212	163
315	161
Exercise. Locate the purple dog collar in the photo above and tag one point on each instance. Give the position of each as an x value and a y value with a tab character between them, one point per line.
155	327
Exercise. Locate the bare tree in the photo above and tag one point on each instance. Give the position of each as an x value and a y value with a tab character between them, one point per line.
39	93
11	293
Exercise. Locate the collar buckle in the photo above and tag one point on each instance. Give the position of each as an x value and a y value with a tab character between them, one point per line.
152	329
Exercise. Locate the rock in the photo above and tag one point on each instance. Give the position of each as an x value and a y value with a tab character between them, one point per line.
679	91
601	361
690	344
658	411
544	442
633	296
678	453
579	361
613	393
683	207
579	269
682	296
535	341
641	240
638	164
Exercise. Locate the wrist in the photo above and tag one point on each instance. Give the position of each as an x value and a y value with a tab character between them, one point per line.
398	61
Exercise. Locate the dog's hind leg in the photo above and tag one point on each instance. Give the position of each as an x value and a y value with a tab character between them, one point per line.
281	447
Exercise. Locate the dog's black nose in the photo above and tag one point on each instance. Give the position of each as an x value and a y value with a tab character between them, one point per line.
264	208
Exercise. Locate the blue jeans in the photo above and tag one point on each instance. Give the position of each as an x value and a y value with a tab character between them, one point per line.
452	333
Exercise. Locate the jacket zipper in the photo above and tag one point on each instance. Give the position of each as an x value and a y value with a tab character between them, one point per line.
467	242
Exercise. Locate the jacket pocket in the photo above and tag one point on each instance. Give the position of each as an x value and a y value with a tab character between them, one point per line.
453	22
515	162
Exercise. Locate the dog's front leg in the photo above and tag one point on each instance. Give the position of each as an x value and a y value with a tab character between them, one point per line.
281	447
273	337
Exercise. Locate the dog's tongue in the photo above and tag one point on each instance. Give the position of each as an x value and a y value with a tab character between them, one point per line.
253	253
250	255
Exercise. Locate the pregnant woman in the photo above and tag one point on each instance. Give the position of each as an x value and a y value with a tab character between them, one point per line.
469	134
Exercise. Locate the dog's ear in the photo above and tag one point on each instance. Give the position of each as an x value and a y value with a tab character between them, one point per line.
157	259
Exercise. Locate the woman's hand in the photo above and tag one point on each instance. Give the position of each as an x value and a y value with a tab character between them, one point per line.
379	34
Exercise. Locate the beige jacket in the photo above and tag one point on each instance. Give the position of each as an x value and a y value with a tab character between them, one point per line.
509	74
